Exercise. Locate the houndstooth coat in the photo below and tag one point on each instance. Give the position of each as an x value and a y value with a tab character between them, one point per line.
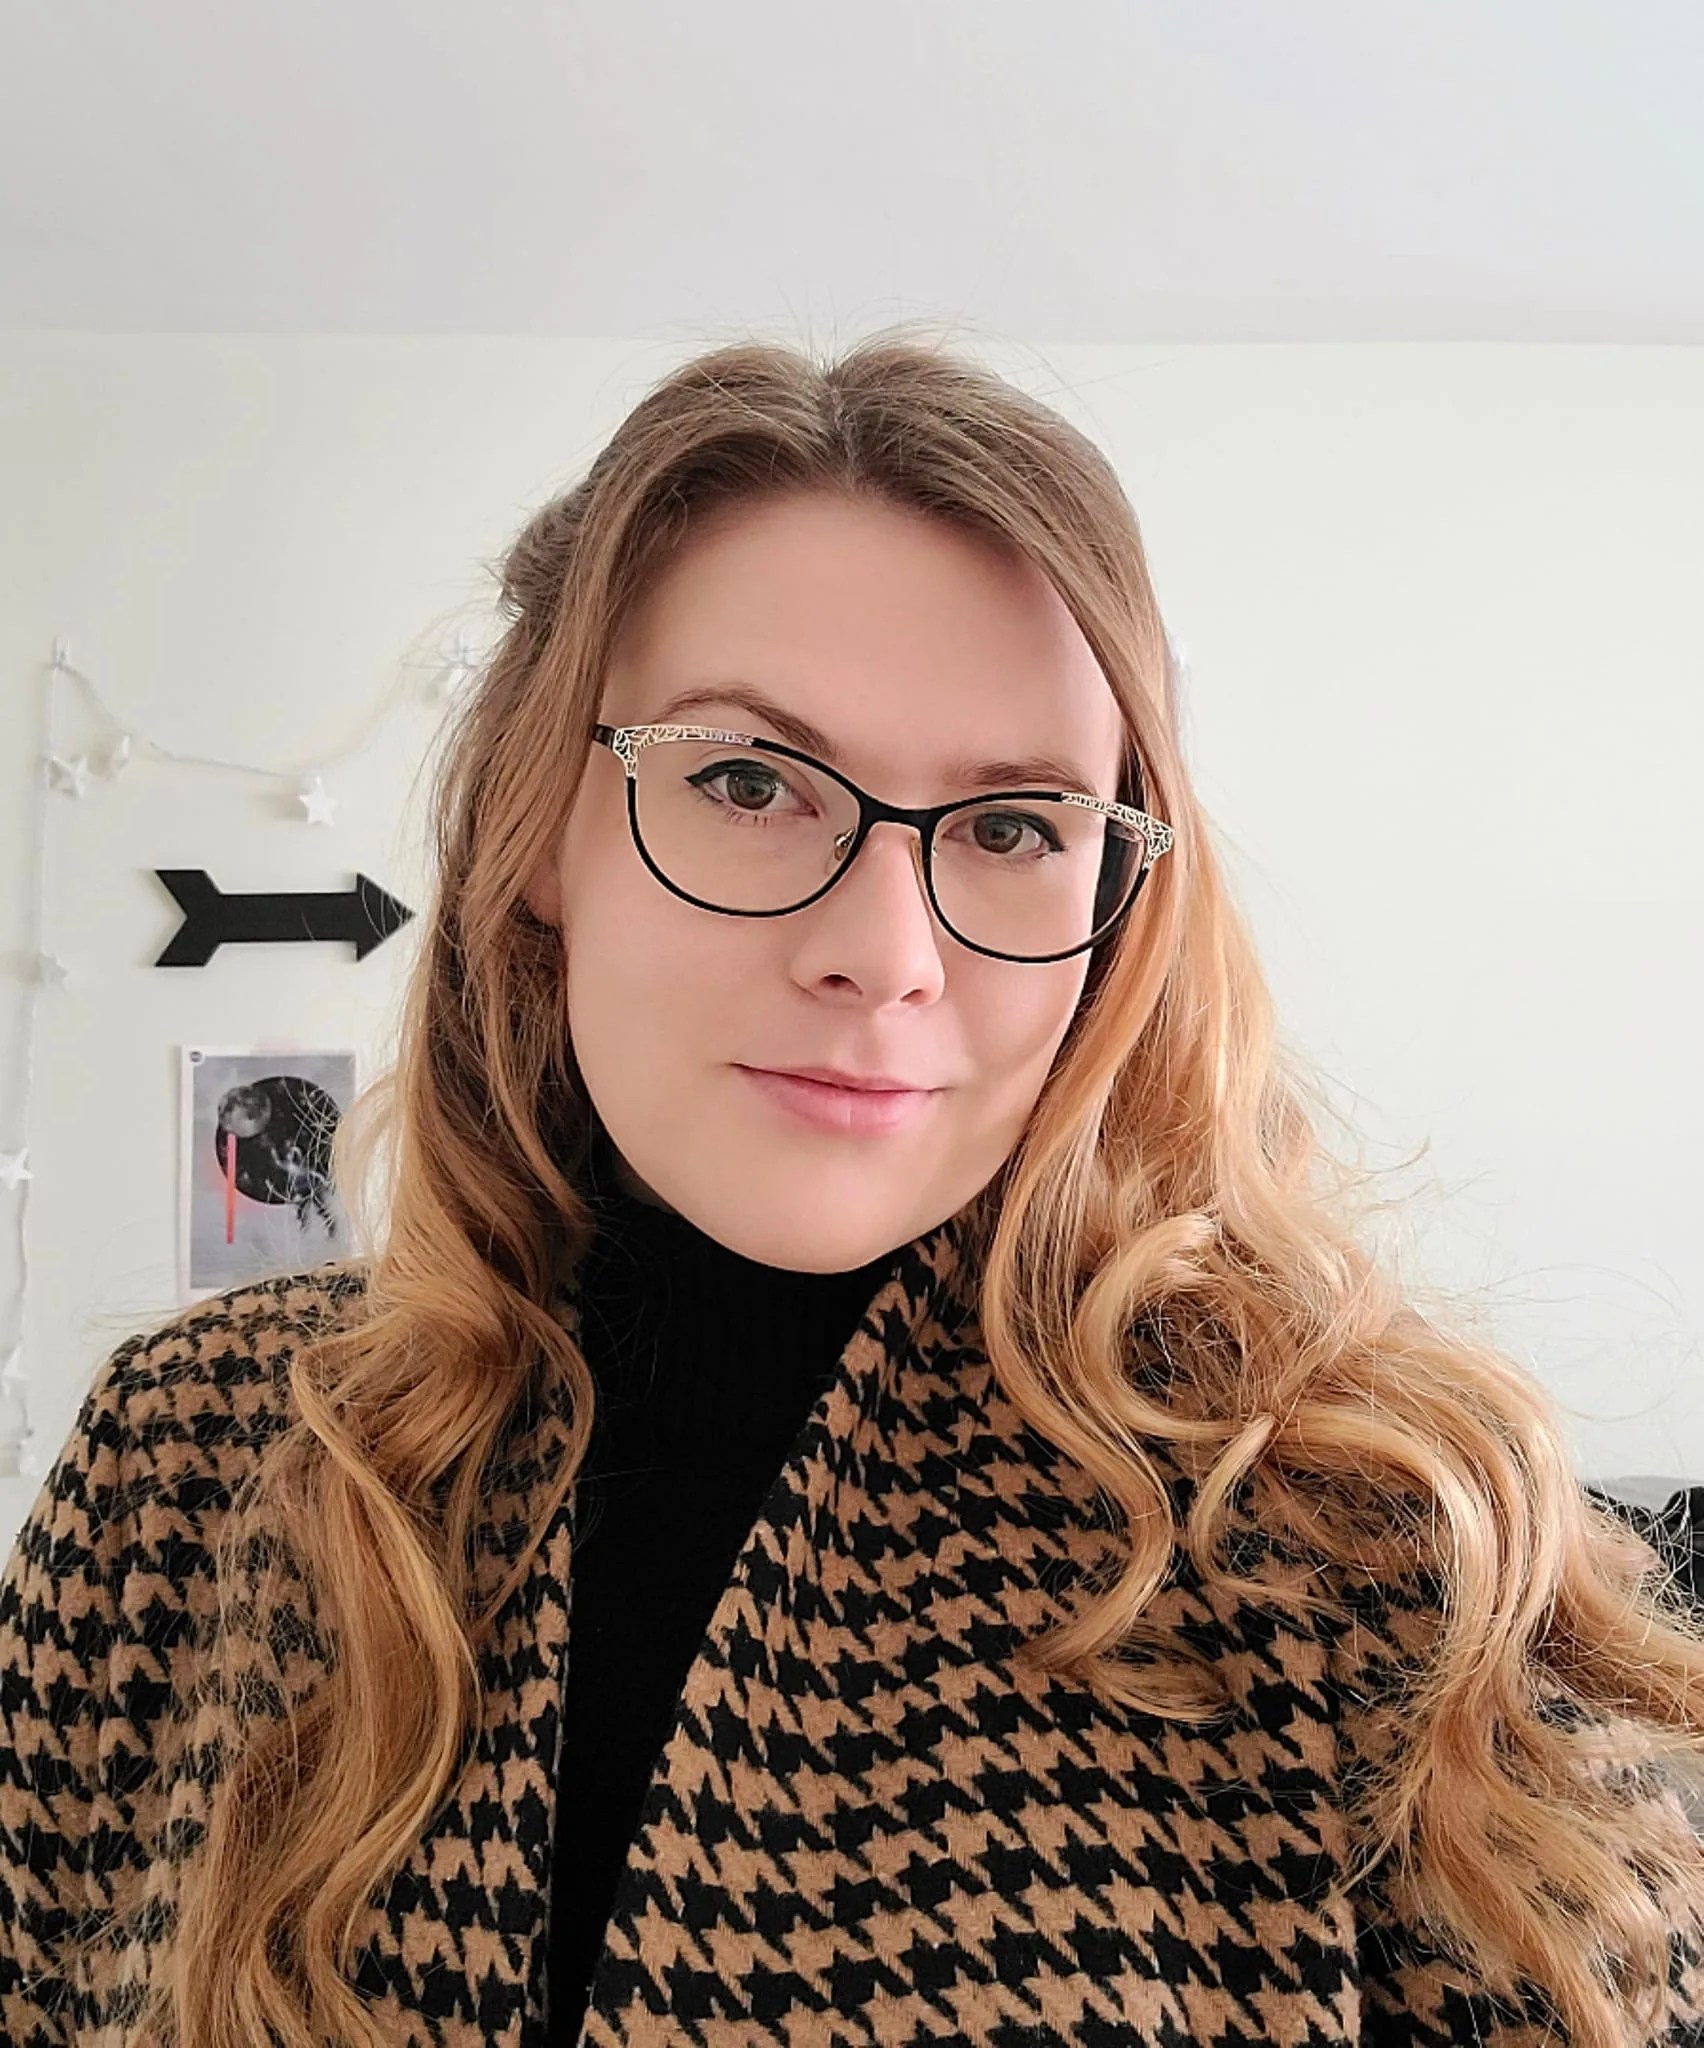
867	1824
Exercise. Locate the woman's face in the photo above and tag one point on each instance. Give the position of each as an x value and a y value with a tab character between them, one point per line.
909	645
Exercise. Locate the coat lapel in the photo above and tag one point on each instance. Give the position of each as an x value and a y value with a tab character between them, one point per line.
868	1821
747	1732
455	1954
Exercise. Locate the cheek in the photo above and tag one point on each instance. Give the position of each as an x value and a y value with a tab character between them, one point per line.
647	964
1018	1022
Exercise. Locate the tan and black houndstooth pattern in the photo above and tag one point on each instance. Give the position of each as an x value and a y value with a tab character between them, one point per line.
866	1826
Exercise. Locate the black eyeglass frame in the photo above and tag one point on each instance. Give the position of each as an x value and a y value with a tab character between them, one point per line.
627	741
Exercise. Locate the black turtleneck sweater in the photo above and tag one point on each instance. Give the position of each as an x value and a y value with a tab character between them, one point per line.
706	1365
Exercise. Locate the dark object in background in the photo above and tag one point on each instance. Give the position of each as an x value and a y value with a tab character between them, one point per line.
1675	1531
213	917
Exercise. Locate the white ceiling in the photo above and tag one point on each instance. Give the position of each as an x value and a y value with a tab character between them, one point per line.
1210	170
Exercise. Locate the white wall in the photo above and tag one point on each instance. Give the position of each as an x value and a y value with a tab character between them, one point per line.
1440	605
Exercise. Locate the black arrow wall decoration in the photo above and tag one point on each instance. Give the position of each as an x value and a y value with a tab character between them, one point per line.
365	915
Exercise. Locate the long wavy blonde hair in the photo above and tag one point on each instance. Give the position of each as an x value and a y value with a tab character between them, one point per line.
1173	1167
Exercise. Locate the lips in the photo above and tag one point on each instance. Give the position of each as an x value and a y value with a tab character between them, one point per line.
838	1109
830	1077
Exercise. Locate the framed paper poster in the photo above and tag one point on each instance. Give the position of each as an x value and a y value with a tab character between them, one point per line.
255	1170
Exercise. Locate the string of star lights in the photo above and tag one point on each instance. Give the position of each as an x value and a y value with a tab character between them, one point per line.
71	776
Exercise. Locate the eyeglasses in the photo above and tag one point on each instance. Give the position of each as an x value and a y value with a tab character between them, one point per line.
1056	893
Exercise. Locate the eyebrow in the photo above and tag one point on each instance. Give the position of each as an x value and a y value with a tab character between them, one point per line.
1029	771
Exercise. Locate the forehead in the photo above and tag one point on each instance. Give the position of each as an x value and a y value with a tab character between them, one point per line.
879	635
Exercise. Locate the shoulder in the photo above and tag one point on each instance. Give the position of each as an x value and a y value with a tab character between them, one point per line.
170	1423
230	1350
238	1336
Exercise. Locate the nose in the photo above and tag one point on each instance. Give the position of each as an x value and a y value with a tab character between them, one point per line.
914	847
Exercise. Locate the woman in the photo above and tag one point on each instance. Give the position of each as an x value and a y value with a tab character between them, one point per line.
1144	1626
